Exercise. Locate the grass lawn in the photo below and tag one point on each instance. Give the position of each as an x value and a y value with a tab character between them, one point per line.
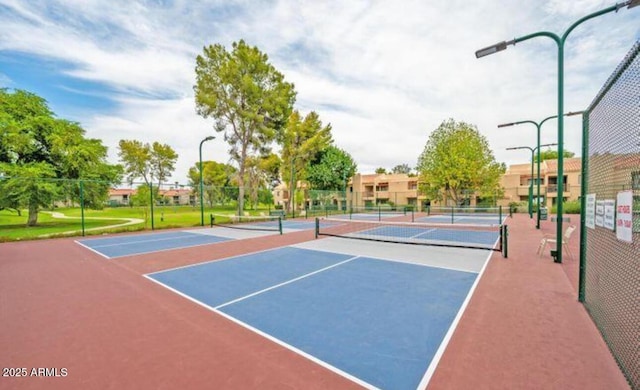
13	227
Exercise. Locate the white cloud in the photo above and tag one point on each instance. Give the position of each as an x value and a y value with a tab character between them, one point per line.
384	74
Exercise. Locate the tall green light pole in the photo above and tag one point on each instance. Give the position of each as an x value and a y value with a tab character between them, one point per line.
209	138
293	188
533	150
538	126
560	42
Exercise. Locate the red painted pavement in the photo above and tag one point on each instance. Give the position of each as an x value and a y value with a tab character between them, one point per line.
62	306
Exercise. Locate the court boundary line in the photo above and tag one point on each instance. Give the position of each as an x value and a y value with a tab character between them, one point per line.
285	283
220	259
431	369
194	235
224	239
92	250
268	336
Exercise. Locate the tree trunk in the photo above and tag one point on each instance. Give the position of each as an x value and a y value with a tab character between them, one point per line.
241	190
33	215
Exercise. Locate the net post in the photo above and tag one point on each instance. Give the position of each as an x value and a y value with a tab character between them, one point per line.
317	229
500	214
412	215
280	225
504	234
452	215
379	213
212	220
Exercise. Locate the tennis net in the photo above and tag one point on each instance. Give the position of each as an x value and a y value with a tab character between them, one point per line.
467	214
490	237
248	222
378	212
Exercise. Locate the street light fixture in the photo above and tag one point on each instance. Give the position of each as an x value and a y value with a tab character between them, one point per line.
538	127
560	43
209	138
533	150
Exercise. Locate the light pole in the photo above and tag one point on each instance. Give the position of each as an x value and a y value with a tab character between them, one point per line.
293	188
538	126
533	150
560	42
209	138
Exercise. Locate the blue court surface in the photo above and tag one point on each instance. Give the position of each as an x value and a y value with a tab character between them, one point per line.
484	238
462	219
119	246
377	322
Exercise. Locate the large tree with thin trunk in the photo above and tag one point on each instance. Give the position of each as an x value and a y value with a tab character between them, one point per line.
147	161
301	141
247	97
44	159
457	161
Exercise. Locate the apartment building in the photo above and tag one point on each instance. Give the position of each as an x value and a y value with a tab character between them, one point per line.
518	178
370	190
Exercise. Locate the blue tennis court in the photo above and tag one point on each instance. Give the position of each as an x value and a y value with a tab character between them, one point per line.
378	322
485	238
119	246
463	219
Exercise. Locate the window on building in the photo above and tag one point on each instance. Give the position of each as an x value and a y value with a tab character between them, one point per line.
413	185
382	187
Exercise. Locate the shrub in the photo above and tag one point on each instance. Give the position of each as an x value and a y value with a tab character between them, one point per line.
568	207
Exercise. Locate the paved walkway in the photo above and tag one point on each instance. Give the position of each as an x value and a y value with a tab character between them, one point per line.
58	215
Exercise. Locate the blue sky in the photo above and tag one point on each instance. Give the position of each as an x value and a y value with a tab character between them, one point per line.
384	74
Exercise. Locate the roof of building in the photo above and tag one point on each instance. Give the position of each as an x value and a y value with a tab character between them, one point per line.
572	164
121	191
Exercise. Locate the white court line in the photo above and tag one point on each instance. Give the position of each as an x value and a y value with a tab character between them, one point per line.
285	283
269	337
423	232
92	250
215	260
447	337
191	235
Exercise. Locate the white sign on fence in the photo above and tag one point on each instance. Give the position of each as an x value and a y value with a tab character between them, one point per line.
624	217
590	212
610	214
599	212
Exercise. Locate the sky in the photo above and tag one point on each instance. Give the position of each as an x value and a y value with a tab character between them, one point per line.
384	74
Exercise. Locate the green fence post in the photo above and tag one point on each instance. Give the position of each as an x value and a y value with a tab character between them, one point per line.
151	204
583	207
82	205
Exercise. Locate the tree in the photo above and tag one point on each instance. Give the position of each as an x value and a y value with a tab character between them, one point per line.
381	171
135	157
456	160
163	161
551	154
149	162
331	169
301	140
246	96
215	176
402	168
44	158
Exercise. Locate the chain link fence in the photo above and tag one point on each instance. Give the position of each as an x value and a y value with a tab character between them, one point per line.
610	254
35	207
